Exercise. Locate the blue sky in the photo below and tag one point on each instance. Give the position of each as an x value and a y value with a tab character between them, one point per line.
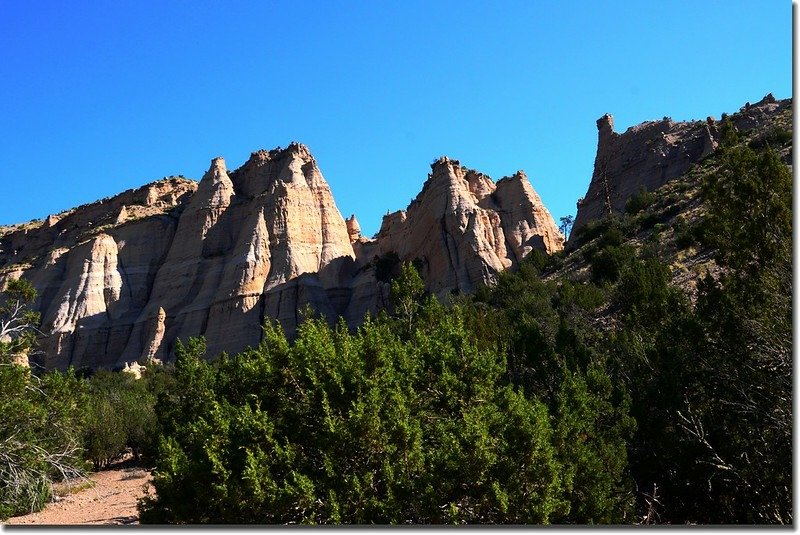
99	97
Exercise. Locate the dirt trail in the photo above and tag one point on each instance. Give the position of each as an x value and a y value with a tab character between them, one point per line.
112	500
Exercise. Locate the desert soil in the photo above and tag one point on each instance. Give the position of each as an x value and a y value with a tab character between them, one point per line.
111	500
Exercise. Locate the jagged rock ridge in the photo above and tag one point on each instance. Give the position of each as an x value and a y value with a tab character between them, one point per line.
653	153
121	280
463	229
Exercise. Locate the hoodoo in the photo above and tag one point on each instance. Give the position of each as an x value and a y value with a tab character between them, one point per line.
122	279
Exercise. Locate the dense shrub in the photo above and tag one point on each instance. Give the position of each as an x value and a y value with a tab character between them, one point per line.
775	137
410	419
746	312
686	234
639	201
39	436
357	429
40	417
609	263
120	415
710	383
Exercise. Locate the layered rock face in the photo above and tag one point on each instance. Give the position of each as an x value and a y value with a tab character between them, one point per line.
123	279
463	229
653	153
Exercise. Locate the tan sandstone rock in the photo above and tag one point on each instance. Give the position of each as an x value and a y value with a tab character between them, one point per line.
123	279
135	369
464	229
353	228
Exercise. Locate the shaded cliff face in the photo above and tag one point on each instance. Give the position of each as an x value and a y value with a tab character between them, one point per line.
653	153
121	280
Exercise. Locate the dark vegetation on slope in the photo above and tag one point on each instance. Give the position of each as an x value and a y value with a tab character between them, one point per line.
642	377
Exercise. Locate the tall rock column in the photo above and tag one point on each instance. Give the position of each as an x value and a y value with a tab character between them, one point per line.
235	316
190	274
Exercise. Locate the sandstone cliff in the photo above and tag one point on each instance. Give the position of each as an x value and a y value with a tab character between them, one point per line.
653	153
121	280
463	229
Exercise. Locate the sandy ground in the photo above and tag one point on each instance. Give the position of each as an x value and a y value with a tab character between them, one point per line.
112	500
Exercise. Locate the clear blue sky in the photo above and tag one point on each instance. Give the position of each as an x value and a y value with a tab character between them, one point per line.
98	97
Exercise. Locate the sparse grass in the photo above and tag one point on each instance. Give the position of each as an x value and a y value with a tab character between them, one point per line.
15	267
134	473
74	486
664	224
30	225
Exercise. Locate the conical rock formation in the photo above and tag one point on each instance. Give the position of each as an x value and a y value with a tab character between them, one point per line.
463	229
123	279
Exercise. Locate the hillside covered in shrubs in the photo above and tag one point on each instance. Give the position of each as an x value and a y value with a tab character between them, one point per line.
608	384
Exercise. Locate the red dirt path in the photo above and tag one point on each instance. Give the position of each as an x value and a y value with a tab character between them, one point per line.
112	500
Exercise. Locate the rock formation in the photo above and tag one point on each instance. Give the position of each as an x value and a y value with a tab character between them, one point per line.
653	153
463	229
122	279
353	228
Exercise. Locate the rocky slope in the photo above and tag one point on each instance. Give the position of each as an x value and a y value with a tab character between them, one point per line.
667	223
655	152
121	280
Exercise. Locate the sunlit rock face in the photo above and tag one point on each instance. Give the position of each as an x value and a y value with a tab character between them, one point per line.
463	229
123	279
